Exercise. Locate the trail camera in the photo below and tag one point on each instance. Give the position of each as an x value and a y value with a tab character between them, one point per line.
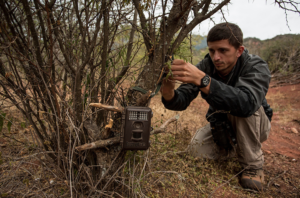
136	126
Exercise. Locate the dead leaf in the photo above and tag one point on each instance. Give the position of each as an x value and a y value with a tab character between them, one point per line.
294	130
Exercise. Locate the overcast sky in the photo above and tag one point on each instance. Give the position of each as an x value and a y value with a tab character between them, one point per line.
259	18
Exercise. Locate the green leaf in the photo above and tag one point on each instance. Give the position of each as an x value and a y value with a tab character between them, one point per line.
107	64
111	62
2	117
170	71
88	80
9	125
23	125
85	98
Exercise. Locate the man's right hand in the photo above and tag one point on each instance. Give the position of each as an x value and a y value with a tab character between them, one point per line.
167	89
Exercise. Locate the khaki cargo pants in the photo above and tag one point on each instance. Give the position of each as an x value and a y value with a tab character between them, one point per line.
250	133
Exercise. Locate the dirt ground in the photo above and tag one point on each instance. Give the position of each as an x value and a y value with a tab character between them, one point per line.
285	101
168	173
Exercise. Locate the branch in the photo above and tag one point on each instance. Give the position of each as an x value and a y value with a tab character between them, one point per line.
99	144
115	140
146	37
70	68
197	20
104	50
128	56
291	3
198	7
107	128
107	107
34	34
163	127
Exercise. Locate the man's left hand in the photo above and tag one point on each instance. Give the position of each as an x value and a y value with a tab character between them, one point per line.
186	72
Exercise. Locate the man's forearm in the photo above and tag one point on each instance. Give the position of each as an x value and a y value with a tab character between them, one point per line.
169	96
183	96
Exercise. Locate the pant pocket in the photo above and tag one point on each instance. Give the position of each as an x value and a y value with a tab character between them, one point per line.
265	126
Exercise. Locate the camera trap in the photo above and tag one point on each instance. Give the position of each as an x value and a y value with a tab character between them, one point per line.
136	127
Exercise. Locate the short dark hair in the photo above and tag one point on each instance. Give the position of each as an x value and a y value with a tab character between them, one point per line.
226	30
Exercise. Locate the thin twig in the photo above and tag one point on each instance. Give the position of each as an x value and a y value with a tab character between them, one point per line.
275	178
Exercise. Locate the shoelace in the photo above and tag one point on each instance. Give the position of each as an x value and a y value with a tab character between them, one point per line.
250	172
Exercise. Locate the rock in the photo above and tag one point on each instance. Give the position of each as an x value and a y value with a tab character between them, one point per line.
268	152
294	130
294	160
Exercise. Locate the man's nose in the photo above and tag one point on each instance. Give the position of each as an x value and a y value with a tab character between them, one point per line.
216	56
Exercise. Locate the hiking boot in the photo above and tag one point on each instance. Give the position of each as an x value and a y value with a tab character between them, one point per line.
252	179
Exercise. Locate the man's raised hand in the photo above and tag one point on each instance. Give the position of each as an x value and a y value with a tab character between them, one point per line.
186	72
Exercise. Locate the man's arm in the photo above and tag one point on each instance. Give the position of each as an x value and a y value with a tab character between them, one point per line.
246	96
242	100
181	98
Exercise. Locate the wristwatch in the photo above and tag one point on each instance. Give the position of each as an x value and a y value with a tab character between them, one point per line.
204	81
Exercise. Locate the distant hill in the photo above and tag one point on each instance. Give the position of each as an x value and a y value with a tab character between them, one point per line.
282	52
253	44
201	45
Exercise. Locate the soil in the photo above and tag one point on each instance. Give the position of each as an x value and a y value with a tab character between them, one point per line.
281	153
285	101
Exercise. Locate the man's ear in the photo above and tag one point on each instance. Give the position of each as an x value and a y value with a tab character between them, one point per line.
240	51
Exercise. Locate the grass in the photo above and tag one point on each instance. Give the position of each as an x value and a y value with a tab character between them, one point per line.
164	170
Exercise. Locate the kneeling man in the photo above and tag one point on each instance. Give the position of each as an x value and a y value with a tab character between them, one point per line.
234	84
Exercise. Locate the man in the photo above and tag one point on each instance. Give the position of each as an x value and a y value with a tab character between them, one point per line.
234	84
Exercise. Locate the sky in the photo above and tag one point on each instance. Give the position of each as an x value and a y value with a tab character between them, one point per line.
257	18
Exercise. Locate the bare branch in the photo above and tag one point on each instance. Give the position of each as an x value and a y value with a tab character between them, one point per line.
163	127
99	144
198	19
107	107
143	24
107	128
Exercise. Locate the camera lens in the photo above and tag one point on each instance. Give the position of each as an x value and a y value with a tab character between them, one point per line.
138	125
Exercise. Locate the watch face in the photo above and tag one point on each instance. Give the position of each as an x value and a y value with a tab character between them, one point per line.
205	80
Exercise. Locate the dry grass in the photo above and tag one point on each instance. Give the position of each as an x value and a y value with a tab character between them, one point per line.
162	171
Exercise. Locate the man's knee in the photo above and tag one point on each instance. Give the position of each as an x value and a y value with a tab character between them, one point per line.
202	144
258	124
251	132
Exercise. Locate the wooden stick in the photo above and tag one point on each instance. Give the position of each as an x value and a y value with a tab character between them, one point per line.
115	140
162	128
99	144
106	131
107	107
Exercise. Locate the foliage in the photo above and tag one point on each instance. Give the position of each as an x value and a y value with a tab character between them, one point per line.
282	52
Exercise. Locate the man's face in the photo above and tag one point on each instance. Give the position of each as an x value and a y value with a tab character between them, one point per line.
224	55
